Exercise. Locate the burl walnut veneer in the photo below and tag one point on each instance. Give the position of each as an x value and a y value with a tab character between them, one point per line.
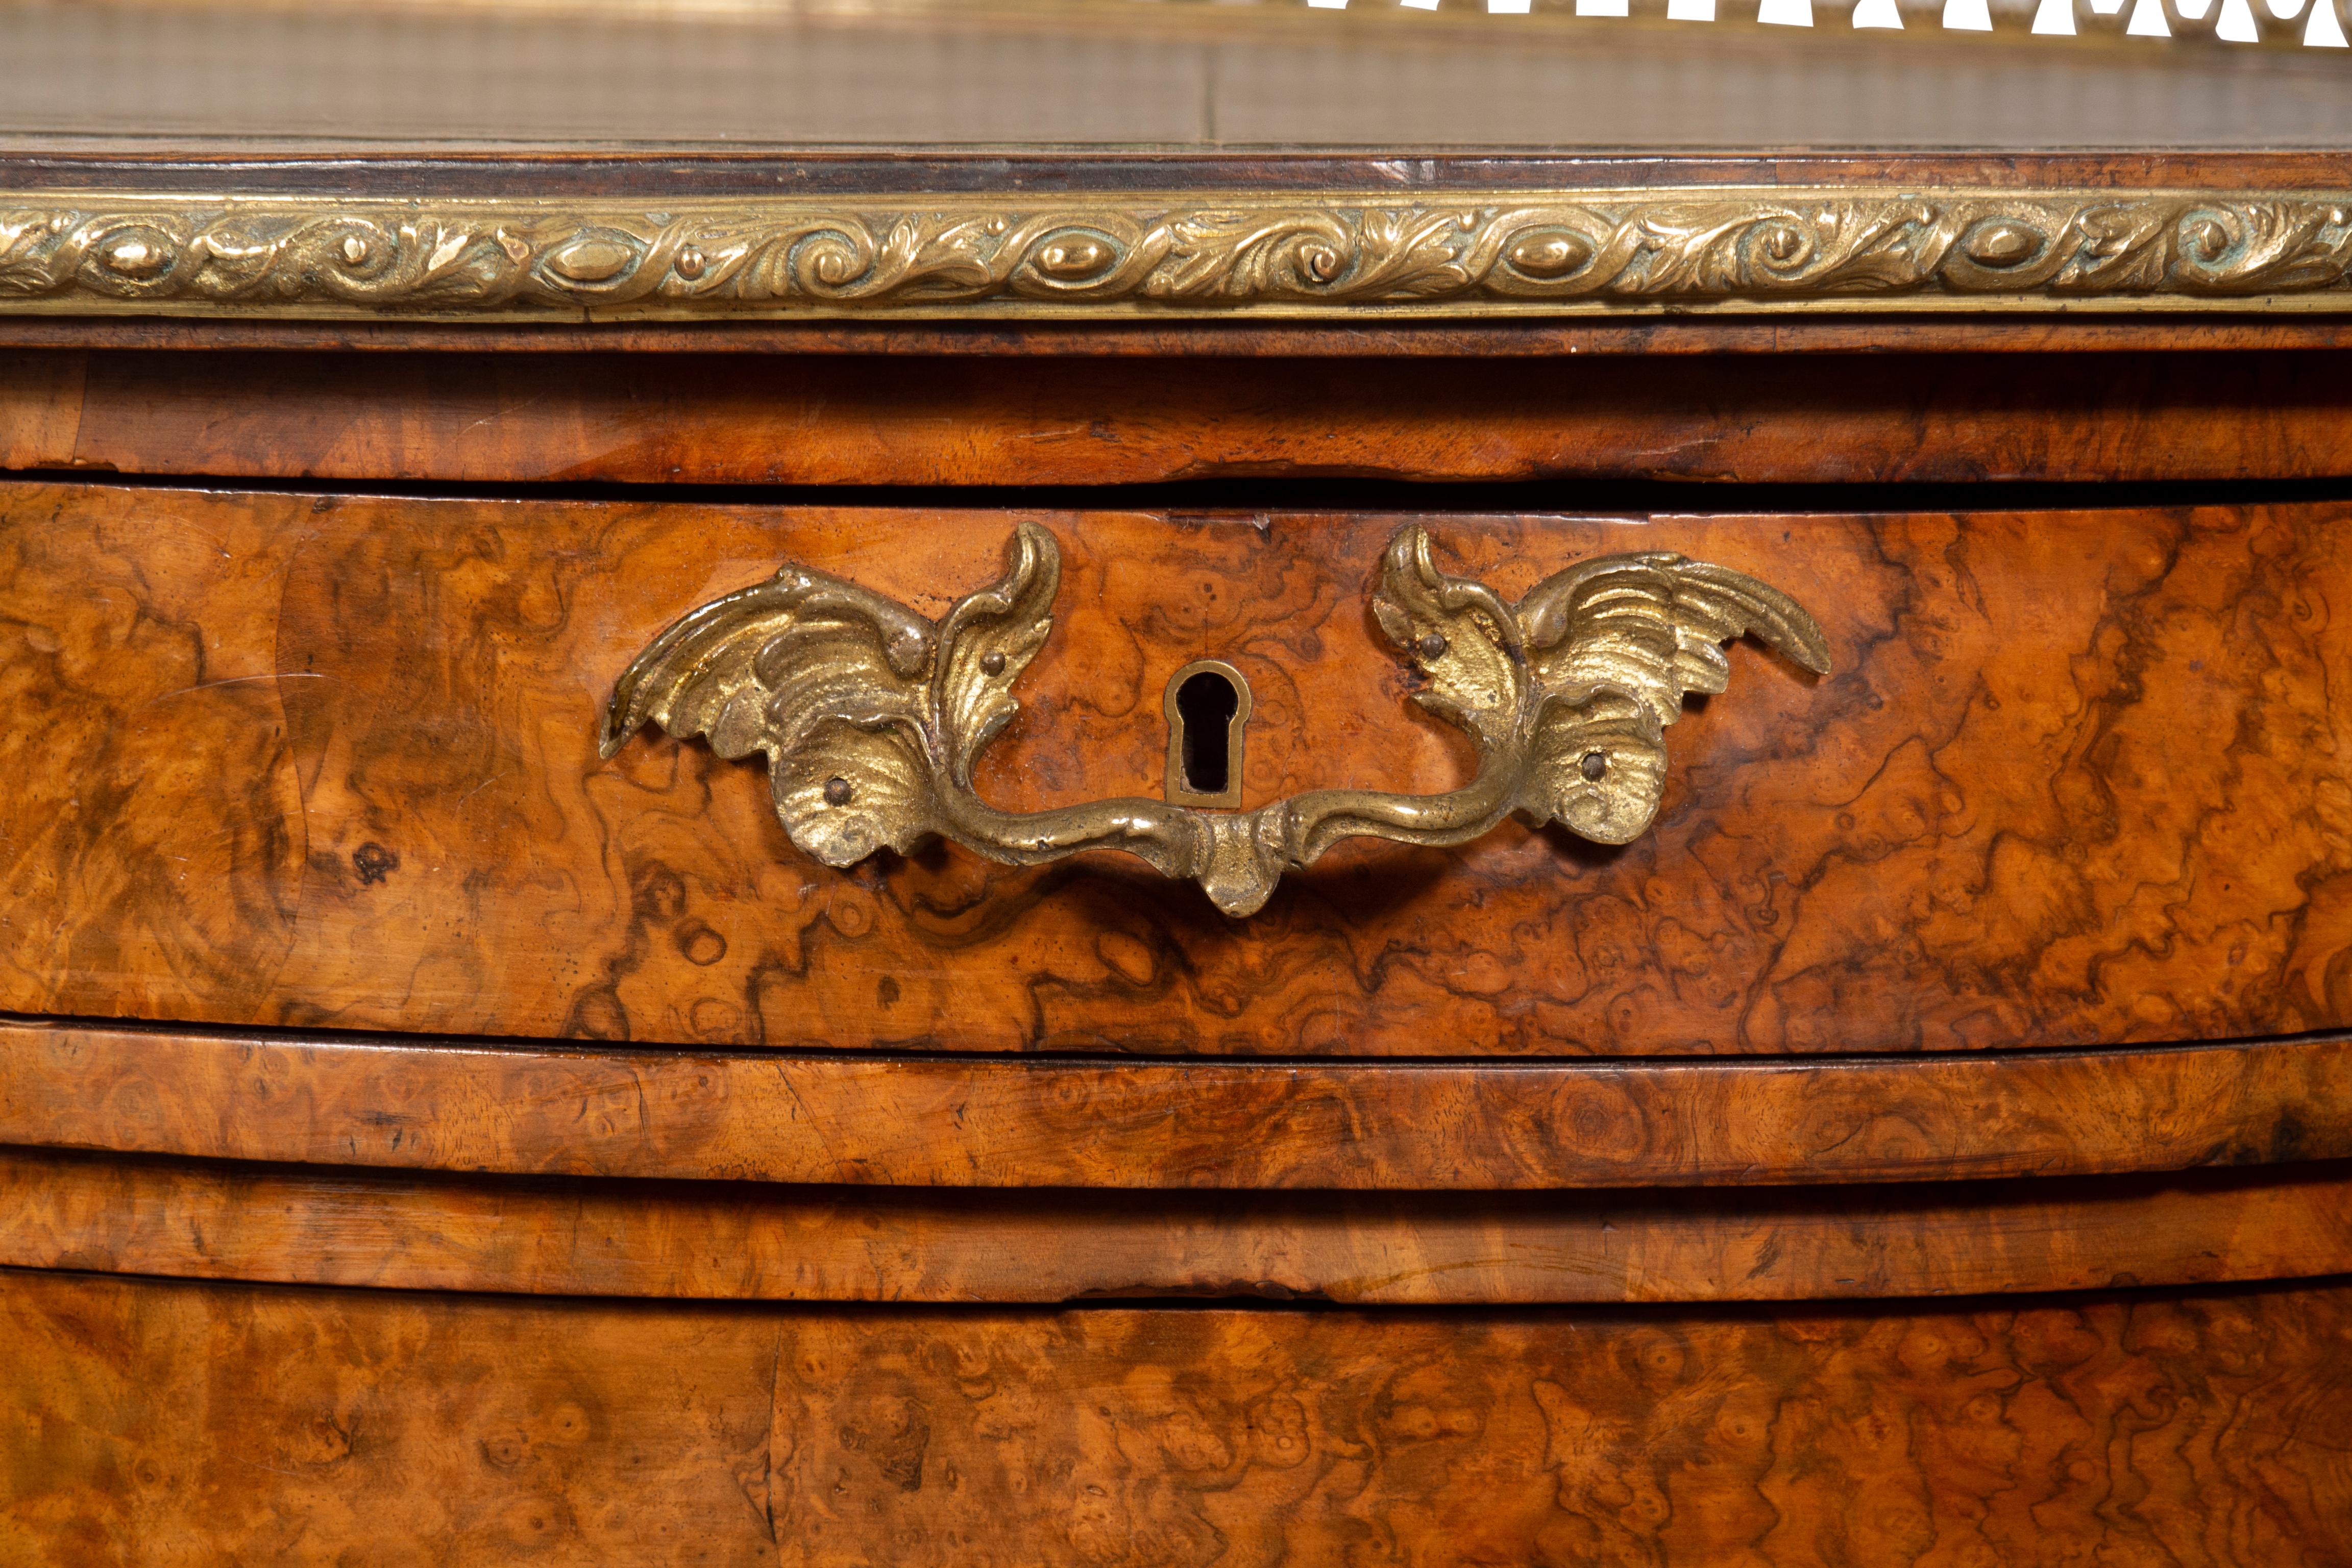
1831	1046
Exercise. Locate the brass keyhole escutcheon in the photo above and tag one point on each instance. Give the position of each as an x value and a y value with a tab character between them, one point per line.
1207	708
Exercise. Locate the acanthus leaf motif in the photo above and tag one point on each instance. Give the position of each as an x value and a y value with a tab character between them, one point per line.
1456	630
1206	252
1616	643
986	640
827	680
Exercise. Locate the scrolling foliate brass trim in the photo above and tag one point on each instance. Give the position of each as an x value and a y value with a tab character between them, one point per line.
1196	253
871	718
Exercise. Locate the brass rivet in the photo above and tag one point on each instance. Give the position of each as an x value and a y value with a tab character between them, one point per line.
836	792
354	248
1595	764
690	262
1430	646
992	663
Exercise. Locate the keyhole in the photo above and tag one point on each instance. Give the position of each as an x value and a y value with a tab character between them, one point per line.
1207	704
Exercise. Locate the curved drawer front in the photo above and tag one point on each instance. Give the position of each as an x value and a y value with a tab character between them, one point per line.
744	1241
2072	778
1055	1122
2148	1426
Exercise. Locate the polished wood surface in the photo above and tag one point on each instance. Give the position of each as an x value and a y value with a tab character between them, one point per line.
739	1242
331	762
166	1423
156	1424
945	1121
2044	416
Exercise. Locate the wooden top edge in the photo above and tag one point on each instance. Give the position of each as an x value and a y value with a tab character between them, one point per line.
1840	334
948	1123
1026	244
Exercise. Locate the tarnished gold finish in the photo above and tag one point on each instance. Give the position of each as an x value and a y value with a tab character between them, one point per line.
871	717
1211	252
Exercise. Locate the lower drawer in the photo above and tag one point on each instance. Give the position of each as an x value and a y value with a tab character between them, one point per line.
149	1422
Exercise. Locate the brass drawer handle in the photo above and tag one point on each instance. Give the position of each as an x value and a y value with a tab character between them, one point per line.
871	717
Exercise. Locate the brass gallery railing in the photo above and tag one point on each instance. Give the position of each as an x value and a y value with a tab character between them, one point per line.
2231	21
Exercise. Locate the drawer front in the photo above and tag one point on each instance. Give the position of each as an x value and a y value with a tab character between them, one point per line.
170	1423
2073	777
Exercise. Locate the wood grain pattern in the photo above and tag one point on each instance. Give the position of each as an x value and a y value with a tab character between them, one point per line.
2102	1431
736	1242
323	761
41	399
1051	1123
157	1423
884	419
153	1424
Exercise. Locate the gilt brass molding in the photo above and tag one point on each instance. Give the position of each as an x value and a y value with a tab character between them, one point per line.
1200	253
871	718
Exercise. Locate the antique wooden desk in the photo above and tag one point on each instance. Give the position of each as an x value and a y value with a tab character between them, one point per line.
1811	1043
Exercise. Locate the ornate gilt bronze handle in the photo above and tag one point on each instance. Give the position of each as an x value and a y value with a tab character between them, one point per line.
871	717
